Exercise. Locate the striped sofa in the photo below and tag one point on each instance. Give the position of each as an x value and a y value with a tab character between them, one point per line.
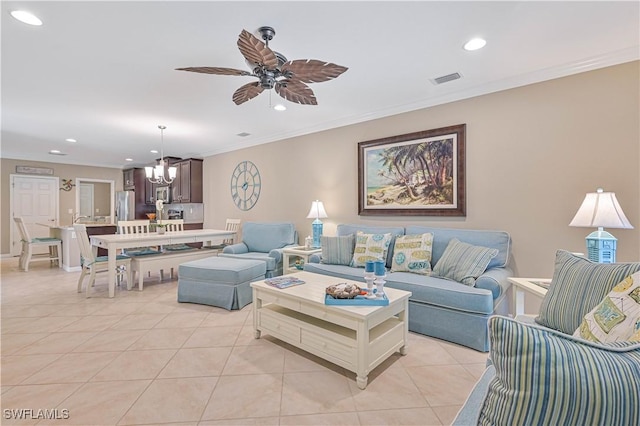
439	307
550	370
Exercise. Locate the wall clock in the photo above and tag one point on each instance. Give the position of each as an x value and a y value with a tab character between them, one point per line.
245	185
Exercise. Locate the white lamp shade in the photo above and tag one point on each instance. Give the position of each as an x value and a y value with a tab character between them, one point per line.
159	170
148	171
601	209
317	211
172	172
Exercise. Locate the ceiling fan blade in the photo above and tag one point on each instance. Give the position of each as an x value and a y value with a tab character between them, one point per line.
215	70
247	92
296	91
312	70
255	51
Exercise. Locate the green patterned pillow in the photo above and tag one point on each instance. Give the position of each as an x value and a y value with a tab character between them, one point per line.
617	317
370	247
337	250
412	253
578	286
463	262
544	377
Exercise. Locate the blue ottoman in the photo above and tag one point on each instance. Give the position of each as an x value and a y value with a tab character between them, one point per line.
219	281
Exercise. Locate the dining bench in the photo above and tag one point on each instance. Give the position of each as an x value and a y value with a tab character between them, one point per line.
165	261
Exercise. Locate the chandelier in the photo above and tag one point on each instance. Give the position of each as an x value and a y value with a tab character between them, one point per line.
156	174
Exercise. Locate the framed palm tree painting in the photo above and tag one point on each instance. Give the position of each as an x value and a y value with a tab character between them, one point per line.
419	174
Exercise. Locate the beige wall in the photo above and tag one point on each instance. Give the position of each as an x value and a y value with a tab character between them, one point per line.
67	198
532	154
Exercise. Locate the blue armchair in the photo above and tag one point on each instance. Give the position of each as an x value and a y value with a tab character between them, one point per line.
264	241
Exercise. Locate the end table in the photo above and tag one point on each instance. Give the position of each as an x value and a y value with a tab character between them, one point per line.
300	252
521	286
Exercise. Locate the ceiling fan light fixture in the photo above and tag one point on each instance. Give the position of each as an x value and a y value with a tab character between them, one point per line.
475	44
26	17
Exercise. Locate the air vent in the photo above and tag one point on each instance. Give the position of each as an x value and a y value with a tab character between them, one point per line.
446	78
243	134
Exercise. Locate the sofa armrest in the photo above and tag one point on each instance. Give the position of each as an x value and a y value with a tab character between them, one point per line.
236	248
470	411
495	280
277	253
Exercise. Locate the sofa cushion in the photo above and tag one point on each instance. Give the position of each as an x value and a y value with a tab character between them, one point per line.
493	239
617	317
346	229
253	255
578	286
544	377
412	253
464	262
337	250
263	237
370	247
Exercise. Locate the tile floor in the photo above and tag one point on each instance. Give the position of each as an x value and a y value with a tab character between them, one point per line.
143	358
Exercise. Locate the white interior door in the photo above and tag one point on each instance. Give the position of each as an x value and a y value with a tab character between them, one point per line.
35	199
86	199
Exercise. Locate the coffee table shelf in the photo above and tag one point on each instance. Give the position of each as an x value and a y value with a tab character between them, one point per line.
357	338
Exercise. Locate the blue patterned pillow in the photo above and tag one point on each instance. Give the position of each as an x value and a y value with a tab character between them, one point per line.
412	253
463	262
337	250
544	377
370	247
578	286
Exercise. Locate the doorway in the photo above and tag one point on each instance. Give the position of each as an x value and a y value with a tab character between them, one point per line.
36	200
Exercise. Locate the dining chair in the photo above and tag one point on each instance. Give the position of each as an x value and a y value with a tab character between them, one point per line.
92	264
230	225
27	255
136	227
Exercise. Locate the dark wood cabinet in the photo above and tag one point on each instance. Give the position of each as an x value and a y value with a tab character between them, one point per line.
187	186
101	230
128	180
144	190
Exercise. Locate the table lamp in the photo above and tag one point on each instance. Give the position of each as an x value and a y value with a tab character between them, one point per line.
317	211
601	209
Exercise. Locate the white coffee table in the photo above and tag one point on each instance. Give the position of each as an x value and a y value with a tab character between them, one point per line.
357	338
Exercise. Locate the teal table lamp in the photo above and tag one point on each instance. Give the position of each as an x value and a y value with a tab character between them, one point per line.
317	211
601	209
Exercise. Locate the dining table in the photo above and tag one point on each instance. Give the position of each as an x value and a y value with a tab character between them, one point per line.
113	243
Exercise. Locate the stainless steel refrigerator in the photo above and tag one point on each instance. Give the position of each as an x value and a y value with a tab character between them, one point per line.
125	205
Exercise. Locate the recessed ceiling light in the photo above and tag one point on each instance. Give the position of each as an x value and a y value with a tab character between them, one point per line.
243	134
154	151
71	140
26	17
475	44
128	159
280	107
56	152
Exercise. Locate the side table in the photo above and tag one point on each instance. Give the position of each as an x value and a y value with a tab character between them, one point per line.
300	252
521	286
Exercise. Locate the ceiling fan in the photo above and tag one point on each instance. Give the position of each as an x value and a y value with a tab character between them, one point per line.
274	71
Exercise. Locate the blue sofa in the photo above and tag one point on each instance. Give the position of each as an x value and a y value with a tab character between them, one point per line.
264	241
439	307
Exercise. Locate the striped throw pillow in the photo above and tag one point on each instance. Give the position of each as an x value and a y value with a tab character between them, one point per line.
337	250
544	377
578	286
463	262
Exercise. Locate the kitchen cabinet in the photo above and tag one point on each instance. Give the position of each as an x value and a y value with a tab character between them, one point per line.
187	186
144	190
129	180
